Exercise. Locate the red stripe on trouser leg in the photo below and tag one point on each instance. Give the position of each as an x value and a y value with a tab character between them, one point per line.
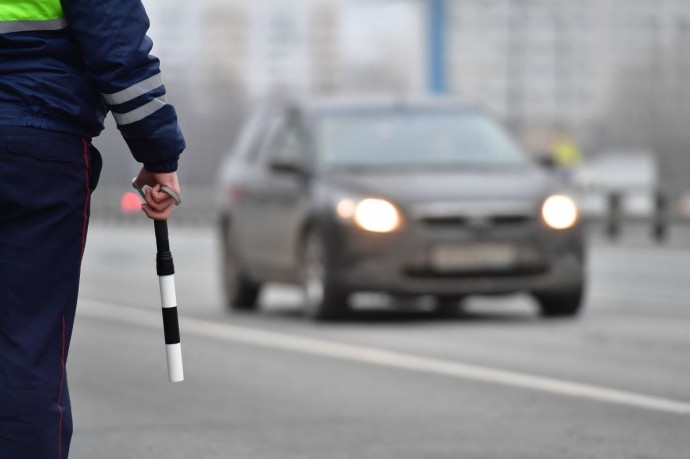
42	232
86	200
62	382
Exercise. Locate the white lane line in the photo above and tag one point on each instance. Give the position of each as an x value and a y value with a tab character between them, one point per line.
380	357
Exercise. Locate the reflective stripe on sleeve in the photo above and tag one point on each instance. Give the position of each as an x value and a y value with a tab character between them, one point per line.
140	113
31	26
134	91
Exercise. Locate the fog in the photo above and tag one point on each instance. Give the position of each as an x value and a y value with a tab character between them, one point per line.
608	74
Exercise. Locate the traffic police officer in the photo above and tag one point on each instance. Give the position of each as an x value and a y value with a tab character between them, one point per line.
63	65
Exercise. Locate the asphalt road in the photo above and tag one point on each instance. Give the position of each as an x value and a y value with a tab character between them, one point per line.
495	382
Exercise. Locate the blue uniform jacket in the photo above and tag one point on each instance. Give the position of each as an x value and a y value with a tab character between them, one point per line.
67	80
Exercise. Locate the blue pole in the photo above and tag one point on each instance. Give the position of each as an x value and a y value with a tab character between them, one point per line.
437	46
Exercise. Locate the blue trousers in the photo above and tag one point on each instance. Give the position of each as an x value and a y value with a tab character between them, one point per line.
46	180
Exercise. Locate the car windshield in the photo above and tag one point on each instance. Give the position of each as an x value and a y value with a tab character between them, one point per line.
415	140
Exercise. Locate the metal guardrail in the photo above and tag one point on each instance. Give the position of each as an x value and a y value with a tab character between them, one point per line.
659	221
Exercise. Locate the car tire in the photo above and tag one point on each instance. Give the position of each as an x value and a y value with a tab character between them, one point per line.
241	293
324	298
561	304
448	306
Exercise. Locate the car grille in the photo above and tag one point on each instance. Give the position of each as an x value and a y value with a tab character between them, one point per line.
517	271
483	214
470	222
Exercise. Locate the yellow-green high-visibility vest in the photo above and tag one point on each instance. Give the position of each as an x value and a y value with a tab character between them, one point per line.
30	15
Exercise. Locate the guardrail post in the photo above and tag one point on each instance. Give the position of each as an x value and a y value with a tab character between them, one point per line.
660	217
614	215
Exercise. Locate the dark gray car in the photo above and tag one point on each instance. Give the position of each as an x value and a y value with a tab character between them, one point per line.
404	198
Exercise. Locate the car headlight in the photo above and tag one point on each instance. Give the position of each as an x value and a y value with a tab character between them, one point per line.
559	212
375	215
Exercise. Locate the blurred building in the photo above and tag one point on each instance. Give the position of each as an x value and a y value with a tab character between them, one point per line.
561	61
556	59
304	46
257	46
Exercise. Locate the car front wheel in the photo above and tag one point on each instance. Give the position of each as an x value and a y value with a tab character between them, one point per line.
324	298
560	304
448	305
241	293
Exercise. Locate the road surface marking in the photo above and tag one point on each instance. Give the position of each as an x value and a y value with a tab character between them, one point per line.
380	357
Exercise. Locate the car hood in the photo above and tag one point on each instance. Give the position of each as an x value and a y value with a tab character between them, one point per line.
405	188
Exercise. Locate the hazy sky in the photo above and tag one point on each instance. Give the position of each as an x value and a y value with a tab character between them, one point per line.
370	22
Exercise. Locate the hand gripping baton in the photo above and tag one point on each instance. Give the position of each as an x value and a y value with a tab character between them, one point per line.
166	278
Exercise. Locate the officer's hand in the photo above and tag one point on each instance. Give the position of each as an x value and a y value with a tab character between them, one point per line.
159	204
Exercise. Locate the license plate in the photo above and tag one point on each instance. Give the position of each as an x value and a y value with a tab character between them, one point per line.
472	257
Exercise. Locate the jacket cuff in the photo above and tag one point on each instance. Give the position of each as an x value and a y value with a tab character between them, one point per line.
162	166
155	139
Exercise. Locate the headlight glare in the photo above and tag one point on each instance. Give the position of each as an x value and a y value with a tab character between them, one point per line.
560	212
377	215
346	209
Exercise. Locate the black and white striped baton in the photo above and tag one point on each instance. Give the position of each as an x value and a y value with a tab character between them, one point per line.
166	279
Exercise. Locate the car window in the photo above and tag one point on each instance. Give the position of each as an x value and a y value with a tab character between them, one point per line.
262	137
289	145
416	139
248	136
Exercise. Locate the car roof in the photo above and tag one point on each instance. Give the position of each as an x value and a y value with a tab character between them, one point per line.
316	106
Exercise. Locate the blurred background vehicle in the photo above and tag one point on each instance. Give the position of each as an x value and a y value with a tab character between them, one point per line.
632	175
403	197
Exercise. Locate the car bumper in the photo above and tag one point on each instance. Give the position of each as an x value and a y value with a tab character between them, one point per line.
400	263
